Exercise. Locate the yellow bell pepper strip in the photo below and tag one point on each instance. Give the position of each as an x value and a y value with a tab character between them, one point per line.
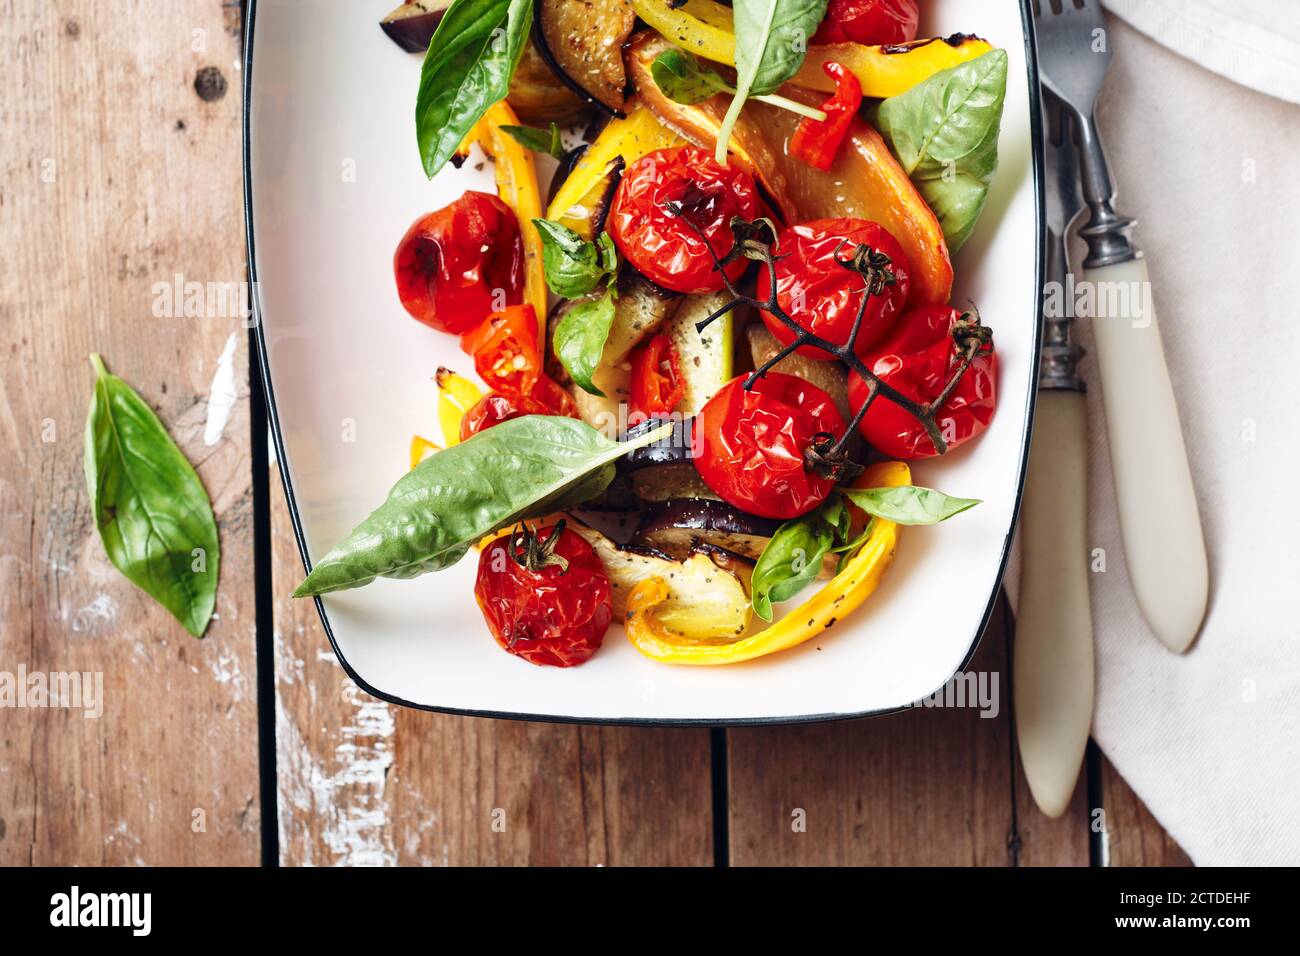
705	28
421	448
888	70
629	138
517	186
456	396
701	27
835	601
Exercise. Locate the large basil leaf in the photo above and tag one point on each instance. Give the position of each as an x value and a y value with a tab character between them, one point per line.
574	266
467	68
793	557
150	508
944	131
579	339
519	469
909	504
771	41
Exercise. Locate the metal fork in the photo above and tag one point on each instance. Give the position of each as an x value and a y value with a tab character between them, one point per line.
1159	520
1053	663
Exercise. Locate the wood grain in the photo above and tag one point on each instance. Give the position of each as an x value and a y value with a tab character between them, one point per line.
918	788
115	175
1133	836
363	782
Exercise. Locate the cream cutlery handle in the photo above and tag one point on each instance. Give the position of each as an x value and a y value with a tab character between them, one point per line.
1053	667
1158	517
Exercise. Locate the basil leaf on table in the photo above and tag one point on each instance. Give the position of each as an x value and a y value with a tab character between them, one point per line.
538	140
519	469
682	79
574	266
152	513
944	132
467	68
579	339
909	504
793	556
771	41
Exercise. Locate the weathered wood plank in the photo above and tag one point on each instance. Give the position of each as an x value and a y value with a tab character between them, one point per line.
363	782
1133	836
922	787
115	175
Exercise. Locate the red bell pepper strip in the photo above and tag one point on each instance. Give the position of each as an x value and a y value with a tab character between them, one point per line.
505	350
817	141
657	383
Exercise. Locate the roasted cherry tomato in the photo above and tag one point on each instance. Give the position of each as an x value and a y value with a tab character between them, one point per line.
458	264
545	595
752	450
815	288
657	383
546	398
505	351
917	359
869	21
672	248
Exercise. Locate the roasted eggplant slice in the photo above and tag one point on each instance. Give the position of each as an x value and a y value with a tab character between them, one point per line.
675	527
679	448
537	95
411	25
582	42
706	600
670	482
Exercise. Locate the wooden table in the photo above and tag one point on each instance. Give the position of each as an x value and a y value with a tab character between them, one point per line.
120	156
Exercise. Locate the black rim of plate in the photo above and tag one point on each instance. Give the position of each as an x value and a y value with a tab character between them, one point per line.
1036	144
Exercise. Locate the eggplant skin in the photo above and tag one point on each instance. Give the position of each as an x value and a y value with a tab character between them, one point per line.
680	525
678	448
411	26
582	41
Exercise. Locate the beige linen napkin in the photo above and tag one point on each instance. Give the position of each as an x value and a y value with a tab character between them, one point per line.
1209	740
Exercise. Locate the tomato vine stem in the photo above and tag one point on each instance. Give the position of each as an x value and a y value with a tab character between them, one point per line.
827	454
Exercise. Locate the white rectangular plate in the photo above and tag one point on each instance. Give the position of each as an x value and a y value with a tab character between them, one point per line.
333	180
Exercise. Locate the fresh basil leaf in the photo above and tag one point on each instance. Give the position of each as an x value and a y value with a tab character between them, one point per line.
909	504
152	513
682	79
771	41
467	68
519	469
793	556
944	132
851	548
538	140
608	258
580	336
573	266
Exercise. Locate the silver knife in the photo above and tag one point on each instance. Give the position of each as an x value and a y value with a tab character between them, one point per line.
1053	652
1158	516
